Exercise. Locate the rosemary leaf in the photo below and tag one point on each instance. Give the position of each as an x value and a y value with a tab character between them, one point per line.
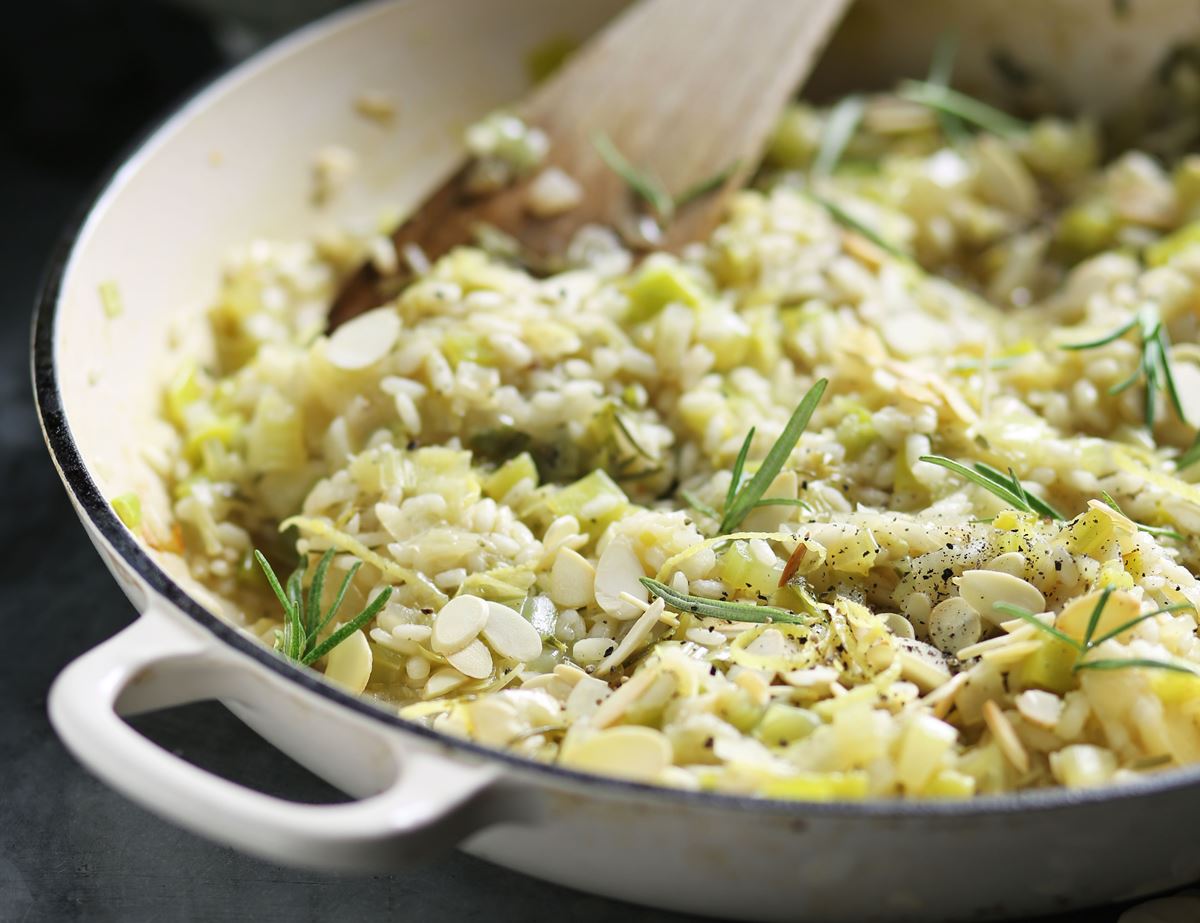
646	185
751	492
1121	629
721	608
1027	616
847	220
967	108
993	481
315	589
782	501
1190	456
739	467
1097	612
941	67
624	428
1164	531
269	572
1104	340
843	121
705	186
349	628
699	505
1123	664
337	603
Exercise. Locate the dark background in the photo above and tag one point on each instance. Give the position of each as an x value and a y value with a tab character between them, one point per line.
81	80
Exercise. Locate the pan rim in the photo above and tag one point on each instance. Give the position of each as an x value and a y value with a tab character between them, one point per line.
89	500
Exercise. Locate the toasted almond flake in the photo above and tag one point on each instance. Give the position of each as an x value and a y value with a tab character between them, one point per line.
458	623
442	682
365	340
412	632
984	588
1039	708
638	632
349	664
618	703
510	635
1012	653
572	579
633	752
474	660
1006	737
618	571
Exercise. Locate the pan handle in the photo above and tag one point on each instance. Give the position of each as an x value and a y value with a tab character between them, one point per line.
416	802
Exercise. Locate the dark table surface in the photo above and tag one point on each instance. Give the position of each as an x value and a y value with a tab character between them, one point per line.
70	849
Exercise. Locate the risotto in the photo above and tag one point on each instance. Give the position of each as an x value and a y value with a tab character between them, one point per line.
886	490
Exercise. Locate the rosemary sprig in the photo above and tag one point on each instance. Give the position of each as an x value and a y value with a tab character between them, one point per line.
649	187
742	498
1164	531
721	608
1090	641
967	108
1154	366
1007	487
848	221
843	121
303	620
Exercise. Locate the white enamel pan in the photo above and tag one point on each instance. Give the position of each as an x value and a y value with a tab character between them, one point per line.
234	164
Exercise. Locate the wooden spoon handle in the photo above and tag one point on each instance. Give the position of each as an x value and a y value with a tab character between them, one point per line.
684	89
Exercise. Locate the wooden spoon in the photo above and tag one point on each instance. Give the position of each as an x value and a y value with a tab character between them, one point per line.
684	89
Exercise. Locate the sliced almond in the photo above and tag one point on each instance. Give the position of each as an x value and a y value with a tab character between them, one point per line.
572	579
458	623
632	752
618	571
1006	736
510	635
982	589
1040	708
494	721
362	342
592	650
441	682
349	664
922	664
618	703
1122	607
638	632
1012	653
474	660
587	696
953	625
